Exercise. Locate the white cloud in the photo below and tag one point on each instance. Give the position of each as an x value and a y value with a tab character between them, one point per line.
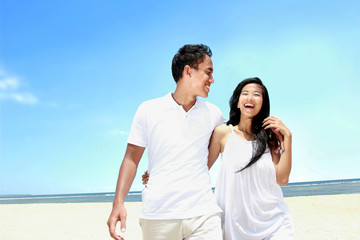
117	132
26	98
10	90
8	83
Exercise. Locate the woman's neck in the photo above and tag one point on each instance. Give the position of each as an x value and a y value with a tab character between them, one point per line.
245	125
244	128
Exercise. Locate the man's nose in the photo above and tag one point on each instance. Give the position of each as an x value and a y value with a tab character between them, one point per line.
212	80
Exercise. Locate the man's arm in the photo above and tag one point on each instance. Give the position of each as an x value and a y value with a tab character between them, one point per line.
126	177
214	148
217	143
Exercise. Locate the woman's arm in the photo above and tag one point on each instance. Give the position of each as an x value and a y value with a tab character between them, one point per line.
282	161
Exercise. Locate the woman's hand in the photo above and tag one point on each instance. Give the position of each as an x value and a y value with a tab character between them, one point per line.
282	162
276	126
279	129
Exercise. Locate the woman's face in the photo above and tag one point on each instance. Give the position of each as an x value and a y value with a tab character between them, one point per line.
250	100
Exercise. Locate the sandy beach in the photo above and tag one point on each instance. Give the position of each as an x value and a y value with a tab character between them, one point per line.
315	217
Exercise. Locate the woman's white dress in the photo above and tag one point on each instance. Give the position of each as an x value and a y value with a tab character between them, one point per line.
251	200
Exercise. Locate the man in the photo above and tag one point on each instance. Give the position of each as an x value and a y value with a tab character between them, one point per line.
178	202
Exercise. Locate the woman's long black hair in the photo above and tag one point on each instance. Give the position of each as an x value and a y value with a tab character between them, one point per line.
262	137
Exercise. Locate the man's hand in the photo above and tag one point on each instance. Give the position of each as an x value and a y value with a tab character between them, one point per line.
118	213
126	176
145	178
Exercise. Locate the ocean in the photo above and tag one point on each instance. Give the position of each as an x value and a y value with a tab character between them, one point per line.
330	187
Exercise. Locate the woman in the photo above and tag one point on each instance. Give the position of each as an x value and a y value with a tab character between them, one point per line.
251	170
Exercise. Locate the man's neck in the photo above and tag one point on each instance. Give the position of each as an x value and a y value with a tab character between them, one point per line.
185	100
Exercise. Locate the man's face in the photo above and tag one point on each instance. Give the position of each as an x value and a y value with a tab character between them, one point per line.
201	78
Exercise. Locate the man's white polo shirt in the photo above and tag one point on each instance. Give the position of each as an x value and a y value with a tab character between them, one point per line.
179	185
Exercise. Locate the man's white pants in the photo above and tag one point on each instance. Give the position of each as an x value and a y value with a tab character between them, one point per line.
206	227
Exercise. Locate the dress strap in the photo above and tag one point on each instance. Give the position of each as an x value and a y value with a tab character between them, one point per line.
231	128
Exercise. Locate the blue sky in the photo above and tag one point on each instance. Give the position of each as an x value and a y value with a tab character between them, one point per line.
72	74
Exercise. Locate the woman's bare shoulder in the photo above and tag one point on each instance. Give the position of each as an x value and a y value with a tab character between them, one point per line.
222	130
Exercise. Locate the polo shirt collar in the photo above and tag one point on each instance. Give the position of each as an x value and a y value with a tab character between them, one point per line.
198	104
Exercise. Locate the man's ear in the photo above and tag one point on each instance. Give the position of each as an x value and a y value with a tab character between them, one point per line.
187	71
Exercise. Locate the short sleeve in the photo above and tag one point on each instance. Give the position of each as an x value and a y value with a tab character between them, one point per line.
220	117
138	132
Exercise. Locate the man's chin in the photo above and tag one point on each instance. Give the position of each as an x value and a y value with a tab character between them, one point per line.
205	94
